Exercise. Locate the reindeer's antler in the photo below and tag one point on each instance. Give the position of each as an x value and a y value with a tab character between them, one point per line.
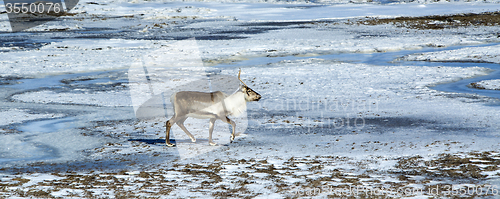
239	73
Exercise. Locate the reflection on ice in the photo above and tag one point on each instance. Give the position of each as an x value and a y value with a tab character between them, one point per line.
47	126
44	140
25	147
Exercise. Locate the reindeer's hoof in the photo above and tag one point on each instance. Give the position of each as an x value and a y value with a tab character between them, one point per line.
170	144
212	143
232	138
193	139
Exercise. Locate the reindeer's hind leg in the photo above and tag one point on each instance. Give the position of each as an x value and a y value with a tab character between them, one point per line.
180	123
168	125
210	130
233	134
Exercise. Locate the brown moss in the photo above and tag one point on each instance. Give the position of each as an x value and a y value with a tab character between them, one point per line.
38	194
20	180
439	21
450	166
212	180
270	169
409	162
476	85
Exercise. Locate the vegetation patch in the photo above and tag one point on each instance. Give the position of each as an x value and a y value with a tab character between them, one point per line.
438	21
472	166
296	177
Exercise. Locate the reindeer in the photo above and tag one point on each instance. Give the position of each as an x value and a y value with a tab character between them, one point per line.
213	106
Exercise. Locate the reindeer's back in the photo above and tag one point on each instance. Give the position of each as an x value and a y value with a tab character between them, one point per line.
185	102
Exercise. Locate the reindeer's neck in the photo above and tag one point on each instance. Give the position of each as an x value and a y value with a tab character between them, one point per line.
236	103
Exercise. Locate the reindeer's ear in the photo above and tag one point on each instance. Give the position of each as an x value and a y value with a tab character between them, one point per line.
243	88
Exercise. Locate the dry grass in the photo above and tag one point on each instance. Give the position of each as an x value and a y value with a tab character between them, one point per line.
292	178
439	21
470	167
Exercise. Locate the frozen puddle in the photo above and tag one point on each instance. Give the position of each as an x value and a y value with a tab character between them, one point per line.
47	140
25	147
47	126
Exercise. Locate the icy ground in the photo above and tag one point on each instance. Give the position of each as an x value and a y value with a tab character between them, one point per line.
336	118
487	84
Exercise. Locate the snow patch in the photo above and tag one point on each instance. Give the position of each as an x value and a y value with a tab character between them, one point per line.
493	84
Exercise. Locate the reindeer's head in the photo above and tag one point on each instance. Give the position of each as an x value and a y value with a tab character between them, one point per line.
250	95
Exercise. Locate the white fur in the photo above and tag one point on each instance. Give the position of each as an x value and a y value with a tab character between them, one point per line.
233	105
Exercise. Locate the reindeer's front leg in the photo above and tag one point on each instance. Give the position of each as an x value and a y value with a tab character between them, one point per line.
210	130
233	134
168	125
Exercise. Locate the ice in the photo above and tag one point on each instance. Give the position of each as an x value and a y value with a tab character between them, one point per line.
11	116
30	147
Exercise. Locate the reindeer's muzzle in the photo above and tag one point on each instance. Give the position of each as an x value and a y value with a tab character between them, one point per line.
258	98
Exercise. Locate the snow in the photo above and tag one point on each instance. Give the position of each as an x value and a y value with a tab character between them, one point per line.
100	99
469	54
493	84
333	111
15	115
107	54
85	55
